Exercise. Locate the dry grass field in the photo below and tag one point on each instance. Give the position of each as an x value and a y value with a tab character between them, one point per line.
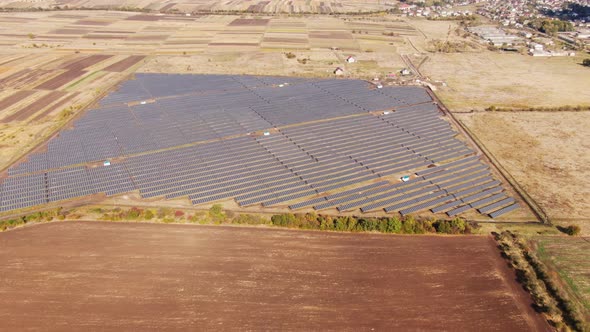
75	275
547	154
479	80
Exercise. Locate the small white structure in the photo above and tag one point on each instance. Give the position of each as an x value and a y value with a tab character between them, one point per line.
143	102
405	72
405	178
338	71
350	59
386	112
106	163
266	133
379	86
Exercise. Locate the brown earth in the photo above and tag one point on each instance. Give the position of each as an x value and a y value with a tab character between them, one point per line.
87	62
34	107
60	80
43	115
249	22
124	64
128	276
14	98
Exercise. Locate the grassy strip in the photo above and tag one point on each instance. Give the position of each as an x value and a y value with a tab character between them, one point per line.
84	79
548	296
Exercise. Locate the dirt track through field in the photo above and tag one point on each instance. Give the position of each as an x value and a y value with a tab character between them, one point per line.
127	276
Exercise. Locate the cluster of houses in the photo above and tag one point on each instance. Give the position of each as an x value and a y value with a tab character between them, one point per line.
513	12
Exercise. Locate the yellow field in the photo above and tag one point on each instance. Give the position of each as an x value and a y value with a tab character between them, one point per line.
546	153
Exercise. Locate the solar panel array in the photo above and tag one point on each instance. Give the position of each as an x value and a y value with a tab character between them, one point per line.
328	144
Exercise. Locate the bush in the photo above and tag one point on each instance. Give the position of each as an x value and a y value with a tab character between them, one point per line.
290	55
586	62
148	215
571	230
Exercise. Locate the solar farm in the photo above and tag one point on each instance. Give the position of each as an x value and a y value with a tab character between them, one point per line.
302	144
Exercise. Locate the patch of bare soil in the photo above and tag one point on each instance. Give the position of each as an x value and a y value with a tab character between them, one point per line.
129	276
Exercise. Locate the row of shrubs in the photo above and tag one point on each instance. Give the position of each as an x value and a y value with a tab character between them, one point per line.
40	216
566	108
405	225
216	215
548	297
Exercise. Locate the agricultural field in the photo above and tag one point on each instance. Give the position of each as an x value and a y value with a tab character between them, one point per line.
480	80
184	6
570	257
546	152
72	275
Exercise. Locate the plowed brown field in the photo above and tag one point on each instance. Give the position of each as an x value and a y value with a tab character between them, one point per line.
126	276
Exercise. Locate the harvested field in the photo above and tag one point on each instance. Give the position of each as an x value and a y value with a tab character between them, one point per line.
330	34
60	103
26	77
60	80
105	37
70	31
93	22
167	7
86	62
124	64
249	22
37	105
14	98
92	275
147	18
9	79
147	37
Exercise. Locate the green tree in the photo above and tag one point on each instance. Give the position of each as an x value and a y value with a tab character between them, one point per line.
148	215
394	225
216	213
326	223
409	225
586	62
458	226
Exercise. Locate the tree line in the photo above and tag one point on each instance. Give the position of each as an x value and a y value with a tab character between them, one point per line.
394	225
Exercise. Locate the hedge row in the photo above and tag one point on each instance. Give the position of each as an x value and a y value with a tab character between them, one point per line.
405	225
